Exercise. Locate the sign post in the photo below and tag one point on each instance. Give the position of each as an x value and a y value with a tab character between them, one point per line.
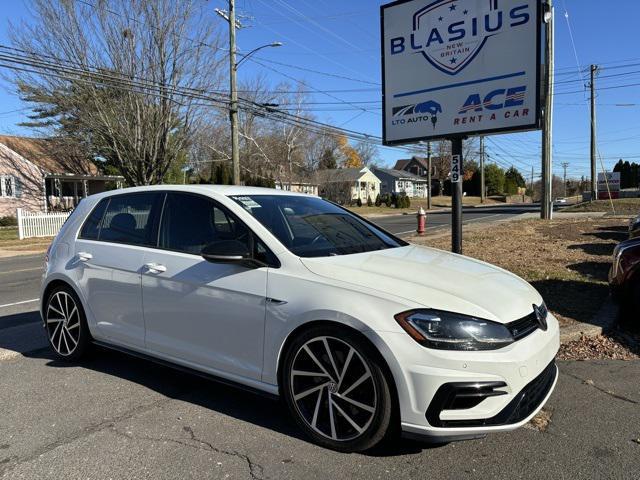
459	68
456	195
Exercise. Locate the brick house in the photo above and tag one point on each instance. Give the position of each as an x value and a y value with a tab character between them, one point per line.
37	175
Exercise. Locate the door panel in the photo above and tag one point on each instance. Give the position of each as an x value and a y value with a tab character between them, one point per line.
110	281
108	258
208	314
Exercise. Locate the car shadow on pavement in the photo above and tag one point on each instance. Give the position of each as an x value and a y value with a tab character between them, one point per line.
265	412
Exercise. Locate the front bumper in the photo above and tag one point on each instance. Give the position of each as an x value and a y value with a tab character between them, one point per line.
523	374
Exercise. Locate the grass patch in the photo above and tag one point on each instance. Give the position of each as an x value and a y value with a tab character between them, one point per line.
9	241
566	260
623	206
8	234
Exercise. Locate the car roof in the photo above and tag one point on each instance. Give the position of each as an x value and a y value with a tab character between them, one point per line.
210	190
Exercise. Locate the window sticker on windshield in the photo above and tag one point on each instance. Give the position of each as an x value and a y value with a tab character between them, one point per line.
248	202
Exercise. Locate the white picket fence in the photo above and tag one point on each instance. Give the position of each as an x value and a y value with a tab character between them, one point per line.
31	224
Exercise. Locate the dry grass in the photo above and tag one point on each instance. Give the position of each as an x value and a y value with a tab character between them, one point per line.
566	260
623	206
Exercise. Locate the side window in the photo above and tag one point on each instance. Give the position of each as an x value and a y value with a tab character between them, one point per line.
191	222
91	228
130	219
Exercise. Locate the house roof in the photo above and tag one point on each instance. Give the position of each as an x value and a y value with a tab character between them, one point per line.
402	164
400	174
49	155
340	175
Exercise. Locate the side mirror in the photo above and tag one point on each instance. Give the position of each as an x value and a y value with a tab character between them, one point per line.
227	251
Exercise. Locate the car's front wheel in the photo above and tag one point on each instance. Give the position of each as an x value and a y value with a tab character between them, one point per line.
336	389
66	324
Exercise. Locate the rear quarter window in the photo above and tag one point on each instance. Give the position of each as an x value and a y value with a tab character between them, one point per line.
91	228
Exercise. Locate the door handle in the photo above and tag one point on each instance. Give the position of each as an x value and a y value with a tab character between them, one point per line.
84	256
155	268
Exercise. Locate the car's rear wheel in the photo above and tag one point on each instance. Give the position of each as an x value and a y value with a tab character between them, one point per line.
66	324
336	389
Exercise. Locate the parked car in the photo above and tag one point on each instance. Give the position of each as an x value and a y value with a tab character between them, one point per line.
624	279
634	227
359	332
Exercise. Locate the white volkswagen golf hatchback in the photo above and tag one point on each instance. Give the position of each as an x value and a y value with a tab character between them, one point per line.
359	332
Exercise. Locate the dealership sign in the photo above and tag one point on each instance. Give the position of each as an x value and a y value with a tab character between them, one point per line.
459	67
608	182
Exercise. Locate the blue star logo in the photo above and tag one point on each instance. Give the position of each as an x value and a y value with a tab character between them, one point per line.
452	7
440	19
454	60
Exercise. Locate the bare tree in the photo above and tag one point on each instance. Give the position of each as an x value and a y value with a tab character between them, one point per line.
127	105
368	153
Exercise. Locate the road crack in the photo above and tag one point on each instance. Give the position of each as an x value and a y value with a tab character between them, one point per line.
611	393
256	471
10	463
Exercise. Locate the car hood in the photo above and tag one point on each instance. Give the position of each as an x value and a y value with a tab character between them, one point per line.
434	279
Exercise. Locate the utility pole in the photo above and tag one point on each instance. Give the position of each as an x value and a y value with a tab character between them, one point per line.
531	184
429	168
565	165
546	212
233	110
594	180
482	187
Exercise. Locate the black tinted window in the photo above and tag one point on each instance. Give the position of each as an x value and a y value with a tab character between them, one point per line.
191	222
91	228
130	219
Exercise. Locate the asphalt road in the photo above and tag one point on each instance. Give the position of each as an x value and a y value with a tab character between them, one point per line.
113	416
19	280
441	221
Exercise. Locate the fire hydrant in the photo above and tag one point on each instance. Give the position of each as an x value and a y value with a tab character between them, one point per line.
422	221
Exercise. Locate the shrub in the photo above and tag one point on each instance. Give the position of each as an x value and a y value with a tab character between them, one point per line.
369	202
359	202
378	201
407	202
8	221
387	201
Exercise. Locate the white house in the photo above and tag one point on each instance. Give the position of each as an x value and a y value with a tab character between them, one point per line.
401	182
347	185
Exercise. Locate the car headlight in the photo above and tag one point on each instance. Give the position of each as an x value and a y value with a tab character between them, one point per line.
453	331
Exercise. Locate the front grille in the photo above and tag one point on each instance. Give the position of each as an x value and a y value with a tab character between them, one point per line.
524	326
522	405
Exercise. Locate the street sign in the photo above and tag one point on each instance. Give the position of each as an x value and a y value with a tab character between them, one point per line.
459	68
456	168
608	182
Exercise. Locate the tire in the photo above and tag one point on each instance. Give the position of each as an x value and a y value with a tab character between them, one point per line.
66	324
631	306
335	387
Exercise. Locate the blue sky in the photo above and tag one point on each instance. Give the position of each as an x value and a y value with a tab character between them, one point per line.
341	40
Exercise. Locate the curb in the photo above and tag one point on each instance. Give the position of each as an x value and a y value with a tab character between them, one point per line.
602	322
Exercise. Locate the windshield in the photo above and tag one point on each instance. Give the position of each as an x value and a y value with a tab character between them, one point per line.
312	227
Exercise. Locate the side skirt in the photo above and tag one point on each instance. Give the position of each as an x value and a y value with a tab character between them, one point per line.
191	371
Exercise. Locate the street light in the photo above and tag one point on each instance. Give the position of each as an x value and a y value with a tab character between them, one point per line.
268	45
233	112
